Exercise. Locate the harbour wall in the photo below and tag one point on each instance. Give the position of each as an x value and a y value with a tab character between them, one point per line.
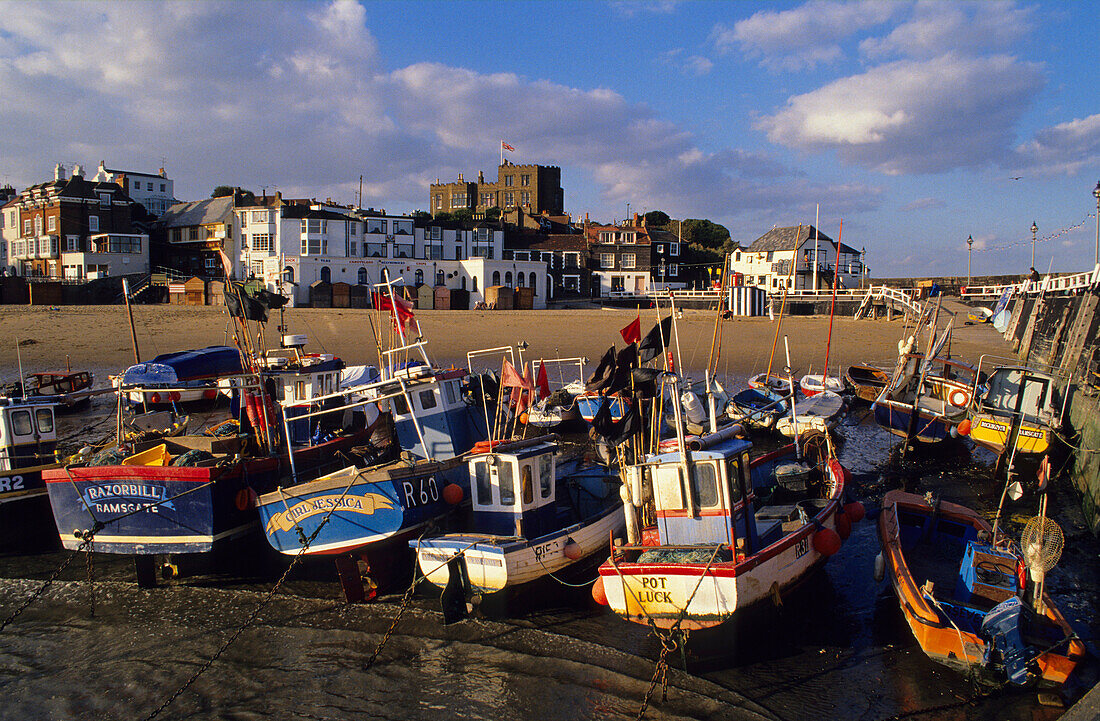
1061	331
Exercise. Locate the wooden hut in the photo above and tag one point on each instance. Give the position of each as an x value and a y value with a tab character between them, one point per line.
425	296
460	299
215	292
194	291
523	298
359	296
442	298
341	295
320	294
499	297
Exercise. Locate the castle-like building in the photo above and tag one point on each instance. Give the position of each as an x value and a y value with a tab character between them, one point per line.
534	188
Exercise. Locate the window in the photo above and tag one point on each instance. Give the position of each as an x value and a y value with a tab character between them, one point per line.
572	260
314	226
326	274
733	473
533	285
525	197
674	249
51	223
427	399
546	476
607	236
458	200
162	187
507	486
509	199
362	278
435	252
525	180
496	277
520	255
520	280
481	235
38	225
438	201
137	185
435	233
148	186
488	199
288	274
508	278
262	241
123	244
374	250
211	265
93	223
72	243
629	237
402	250
27	226
353	229
628	261
458	253
21	423
509	181
673	269
403	227
607	260
351	249
259	216
481	483
257	268
376	226
526	484
706	485
105	198
418	277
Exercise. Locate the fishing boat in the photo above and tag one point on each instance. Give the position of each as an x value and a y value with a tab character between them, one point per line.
959	585
184	494
820	412
757	406
813	383
536	512
1017	406
28	444
866	381
926	400
183	376
773	383
711	533
556	406
590	402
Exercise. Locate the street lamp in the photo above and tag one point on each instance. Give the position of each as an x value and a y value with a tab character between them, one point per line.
1096	194
969	255
1034	230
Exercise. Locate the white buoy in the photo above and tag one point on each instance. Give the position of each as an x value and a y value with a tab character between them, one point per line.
880	567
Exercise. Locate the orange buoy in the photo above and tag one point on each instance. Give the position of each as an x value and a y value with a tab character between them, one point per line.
964	427
573	550
598	594
453	494
826	542
855	511
155	398
843	525
246	498
523	418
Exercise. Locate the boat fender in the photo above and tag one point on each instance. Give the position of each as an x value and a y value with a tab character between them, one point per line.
880	567
452	494
855	511
964	427
598	593
634	478
573	550
693	407
843	525
246	498
826	542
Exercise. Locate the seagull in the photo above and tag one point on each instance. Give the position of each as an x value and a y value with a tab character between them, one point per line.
1016	178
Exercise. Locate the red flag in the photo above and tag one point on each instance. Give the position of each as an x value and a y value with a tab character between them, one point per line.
543	381
510	378
399	306
506	146
633	332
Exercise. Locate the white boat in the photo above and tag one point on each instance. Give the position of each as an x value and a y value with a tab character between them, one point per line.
818	412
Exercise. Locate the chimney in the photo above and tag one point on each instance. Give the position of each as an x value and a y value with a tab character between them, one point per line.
78	171
460	178
480	177
58	171
162	173
635	220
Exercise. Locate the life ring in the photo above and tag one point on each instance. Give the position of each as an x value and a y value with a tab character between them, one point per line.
959	398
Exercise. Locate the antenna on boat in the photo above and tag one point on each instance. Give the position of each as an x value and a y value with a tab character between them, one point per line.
22	380
790	384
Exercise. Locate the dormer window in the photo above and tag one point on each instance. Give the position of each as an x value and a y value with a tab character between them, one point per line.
105	200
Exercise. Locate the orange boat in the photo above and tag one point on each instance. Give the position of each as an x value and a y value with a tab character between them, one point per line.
961	594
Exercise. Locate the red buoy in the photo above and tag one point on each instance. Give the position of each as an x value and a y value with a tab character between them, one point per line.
598	594
964	427
175	395
843	525
210	394
155	398
855	511
452	494
826	542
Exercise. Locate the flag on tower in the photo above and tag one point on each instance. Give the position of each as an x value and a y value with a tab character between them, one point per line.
506	146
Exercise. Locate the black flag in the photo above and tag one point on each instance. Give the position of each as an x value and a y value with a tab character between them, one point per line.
604	372
655	341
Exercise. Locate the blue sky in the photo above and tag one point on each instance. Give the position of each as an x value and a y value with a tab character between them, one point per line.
908	120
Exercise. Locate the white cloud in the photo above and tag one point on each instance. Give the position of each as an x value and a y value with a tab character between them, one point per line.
696	65
922	204
802	37
939	27
1065	148
913	116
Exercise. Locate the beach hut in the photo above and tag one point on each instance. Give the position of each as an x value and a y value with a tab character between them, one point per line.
215	292
194	291
499	297
442	298
460	299
341	295
359	296
523	298
320	294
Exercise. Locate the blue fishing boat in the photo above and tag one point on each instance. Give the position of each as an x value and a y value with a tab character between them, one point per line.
589	404
28	441
757	406
925	401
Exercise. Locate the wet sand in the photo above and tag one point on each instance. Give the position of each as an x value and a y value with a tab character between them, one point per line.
97	338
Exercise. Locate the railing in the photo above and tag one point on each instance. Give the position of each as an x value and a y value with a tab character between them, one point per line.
903	298
1050	284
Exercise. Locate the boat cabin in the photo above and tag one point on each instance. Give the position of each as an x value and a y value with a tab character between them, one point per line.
28	434
430	418
705	499
1040	403
514	493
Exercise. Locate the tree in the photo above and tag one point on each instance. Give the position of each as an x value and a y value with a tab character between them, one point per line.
223	190
656	219
704	233
493	213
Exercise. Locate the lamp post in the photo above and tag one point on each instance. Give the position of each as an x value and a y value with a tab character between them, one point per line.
1096	194
1034	230
969	256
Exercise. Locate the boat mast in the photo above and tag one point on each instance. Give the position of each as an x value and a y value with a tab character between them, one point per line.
832	307
783	305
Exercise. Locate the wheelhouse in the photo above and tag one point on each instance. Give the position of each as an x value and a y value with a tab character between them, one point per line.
28	434
513	489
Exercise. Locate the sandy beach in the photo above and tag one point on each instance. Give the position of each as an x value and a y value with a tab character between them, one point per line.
97	338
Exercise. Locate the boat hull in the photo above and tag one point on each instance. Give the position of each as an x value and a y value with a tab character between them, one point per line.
943	639
895	417
992	432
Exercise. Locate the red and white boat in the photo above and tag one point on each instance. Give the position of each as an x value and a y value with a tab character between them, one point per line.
709	553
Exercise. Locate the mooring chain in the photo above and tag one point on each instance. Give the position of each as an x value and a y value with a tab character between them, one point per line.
405	601
660	671
89	544
49	581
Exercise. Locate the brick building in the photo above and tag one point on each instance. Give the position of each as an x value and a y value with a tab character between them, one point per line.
534	188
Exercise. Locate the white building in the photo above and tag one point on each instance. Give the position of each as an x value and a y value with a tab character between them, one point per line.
767	263
155	192
293	244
